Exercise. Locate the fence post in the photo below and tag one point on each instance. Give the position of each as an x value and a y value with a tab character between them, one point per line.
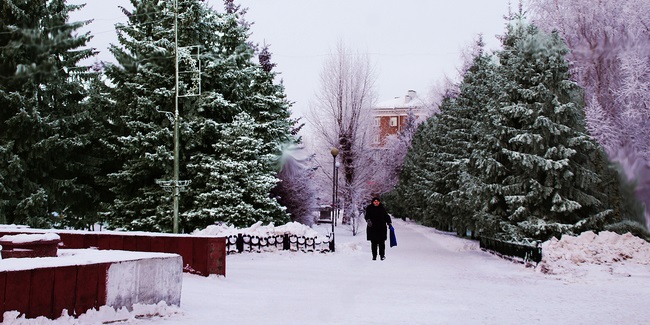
538	257
240	243
286	245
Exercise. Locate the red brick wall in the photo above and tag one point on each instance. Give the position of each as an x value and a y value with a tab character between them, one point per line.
385	129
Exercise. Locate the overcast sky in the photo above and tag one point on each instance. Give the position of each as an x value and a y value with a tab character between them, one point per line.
411	43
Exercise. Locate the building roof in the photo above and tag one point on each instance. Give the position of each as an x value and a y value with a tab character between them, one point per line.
410	100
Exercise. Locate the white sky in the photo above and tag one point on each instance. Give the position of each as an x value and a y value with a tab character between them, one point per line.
431	277
412	43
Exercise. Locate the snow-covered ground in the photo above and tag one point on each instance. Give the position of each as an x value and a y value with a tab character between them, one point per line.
431	277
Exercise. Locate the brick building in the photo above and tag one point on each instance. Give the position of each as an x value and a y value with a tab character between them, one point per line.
390	116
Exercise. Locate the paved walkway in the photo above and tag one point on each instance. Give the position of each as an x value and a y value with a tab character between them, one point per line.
429	278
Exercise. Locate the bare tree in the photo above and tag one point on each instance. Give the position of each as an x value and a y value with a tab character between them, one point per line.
296	189
341	115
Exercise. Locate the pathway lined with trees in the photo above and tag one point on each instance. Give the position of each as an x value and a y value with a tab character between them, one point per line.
431	277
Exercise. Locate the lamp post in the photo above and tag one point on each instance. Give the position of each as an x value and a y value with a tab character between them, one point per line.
336	193
334	153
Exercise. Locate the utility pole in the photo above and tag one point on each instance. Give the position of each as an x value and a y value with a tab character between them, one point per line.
176	185
176	191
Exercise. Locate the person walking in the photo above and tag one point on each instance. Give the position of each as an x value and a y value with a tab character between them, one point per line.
378	221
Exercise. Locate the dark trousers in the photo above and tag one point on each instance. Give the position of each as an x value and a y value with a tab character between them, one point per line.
374	244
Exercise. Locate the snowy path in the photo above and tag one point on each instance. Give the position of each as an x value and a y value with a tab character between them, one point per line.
430	278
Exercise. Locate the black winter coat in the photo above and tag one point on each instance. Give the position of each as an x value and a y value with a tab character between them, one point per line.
377	219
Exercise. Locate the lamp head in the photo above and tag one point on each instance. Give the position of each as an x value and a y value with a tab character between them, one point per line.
334	152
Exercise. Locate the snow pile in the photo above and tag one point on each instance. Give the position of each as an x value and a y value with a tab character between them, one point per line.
605	249
221	230
293	228
29	238
105	315
296	228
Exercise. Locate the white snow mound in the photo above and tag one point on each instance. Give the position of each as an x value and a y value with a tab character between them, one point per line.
606	248
293	228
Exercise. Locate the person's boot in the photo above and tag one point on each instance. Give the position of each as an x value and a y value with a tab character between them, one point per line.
374	258
383	258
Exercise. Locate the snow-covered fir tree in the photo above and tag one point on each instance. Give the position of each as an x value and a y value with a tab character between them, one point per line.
435	181
407	199
238	179
294	191
545	182
509	156
141	137
231	83
464	119
45	177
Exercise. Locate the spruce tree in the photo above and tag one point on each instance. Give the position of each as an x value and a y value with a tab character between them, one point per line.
465	120
237	84
231	83
141	139
238	179
45	179
435	176
100	153
409	198
509	155
544	180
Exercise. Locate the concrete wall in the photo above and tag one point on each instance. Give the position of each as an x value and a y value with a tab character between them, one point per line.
147	281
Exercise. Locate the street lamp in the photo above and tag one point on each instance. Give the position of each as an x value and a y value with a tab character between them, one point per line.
336	193
334	153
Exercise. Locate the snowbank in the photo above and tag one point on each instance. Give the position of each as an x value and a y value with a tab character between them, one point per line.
105	315
605	249
293	228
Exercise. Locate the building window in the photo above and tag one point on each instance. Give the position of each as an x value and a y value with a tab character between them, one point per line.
393	121
377	121
377	138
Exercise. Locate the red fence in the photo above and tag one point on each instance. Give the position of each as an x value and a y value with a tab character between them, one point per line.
77	288
48	291
201	255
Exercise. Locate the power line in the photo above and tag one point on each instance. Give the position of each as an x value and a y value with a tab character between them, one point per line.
67	24
276	54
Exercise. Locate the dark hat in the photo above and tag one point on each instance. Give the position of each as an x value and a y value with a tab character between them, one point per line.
375	199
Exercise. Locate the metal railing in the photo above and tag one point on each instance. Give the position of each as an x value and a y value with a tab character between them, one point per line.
241	243
527	253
